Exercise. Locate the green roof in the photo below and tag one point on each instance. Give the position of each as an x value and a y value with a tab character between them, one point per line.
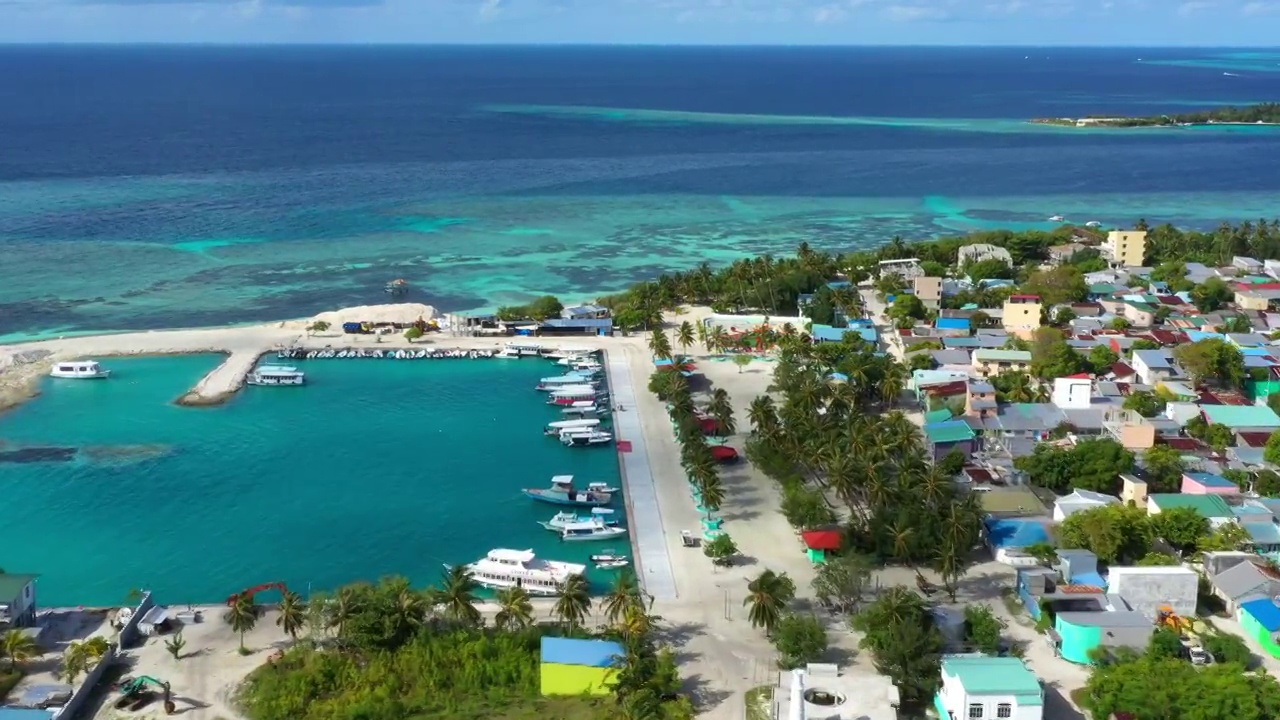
985	675
1209	506
937	416
11	585
1144	307
948	431
1103	288
1241	416
985	355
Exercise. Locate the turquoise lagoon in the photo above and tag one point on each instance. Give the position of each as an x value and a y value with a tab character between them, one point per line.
377	467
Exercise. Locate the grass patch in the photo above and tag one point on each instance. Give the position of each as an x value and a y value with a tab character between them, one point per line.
758	702
9	679
1080	698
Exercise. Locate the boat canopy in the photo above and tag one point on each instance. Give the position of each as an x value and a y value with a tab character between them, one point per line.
504	554
601	511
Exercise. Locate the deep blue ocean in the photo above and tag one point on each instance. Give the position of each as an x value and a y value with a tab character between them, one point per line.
145	187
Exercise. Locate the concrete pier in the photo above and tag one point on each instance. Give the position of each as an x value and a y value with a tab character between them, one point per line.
223	382
648	536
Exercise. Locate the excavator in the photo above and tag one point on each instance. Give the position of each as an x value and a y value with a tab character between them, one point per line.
250	592
1167	618
135	695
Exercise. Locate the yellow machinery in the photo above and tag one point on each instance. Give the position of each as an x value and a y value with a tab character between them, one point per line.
1172	620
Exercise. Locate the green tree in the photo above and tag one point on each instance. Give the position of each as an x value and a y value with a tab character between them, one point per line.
989	270
1093	465
1266	483
1272	451
1101	358
412	334
574	603
767	596
1157	559
685	336
721	549
1052	357
19	647
293	614
800	640
983	629
907	308
175	645
842	580
905	645
318	326
1063	284
456	597
1163	468
1225	537
742	360
1228	649
515	610
1145	403
660	344
1115	533
1212	359
1145	344
1165	643
1164	688
624	595
242	616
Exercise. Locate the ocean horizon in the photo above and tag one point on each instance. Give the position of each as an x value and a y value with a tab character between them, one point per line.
213	185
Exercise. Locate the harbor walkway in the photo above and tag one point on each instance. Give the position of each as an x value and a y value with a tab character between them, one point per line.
648	536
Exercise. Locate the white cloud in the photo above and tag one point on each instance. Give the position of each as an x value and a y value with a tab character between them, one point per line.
913	13
1254	9
489	9
1006	8
1192	7
827	14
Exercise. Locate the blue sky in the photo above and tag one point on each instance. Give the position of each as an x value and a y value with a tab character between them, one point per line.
854	22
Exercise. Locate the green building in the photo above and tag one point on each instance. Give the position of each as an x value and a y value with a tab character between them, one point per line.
1260	620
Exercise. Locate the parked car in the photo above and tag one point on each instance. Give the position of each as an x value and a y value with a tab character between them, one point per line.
1199	656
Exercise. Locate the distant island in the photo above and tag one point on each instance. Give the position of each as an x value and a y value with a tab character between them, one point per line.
1261	114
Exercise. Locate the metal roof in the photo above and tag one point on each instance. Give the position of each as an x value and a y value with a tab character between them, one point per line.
1242	416
986	675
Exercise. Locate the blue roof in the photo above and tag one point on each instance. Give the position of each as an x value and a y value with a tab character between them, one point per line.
955	323
1210	480
1198	335
588	653
663	362
1014	533
19	713
1262	533
1264	610
828	333
1088	578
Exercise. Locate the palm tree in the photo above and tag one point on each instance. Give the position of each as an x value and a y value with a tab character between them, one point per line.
341	609
767	597
763	415
719	339
659	344
19	647
685	336
458	597
635	623
515	609
721	408
242	616
574	602
711	490
293	614
624	595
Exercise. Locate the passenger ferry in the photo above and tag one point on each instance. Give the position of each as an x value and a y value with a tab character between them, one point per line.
79	370
554	429
276	375
523	349
503	568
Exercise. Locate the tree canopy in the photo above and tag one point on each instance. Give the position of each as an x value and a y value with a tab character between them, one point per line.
1094	464
1163	688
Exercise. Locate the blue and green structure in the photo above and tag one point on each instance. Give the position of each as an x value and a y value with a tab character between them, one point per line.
571	666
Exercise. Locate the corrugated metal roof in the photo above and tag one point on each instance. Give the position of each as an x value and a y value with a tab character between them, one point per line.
1236	416
985	675
948	431
1210	506
572	651
1263	610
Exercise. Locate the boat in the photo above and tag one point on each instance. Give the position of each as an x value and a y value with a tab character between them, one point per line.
399	286
563	353
559	426
503	568
584	408
588	365
562	492
576	359
1093	224
565	381
602	487
561	520
594	528
612	564
1056	218
577	393
524	349
276	375
607	557
79	370
585	438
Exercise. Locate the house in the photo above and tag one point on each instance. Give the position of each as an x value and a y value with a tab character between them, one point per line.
980	687
577	326
1211	507
943	437
1152	366
980	401
953	359
585	312
1139	314
1249	578
1019	426
1073	391
1242	418
1260	620
978	252
17	599
1062	254
1133	491
825	333
929	290
1153	590
1080	632
955	326
1208	484
1248	265
1021	315
905	268
1261	299
993	362
1079	501
1125	248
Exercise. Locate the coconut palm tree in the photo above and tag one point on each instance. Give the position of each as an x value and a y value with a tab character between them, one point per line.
767	596
341	609
625	594
293	614
721	408
19	647
457	595
659	344
635	623
242	616
685	336
515	609
574	603
711	490
763	415
719	339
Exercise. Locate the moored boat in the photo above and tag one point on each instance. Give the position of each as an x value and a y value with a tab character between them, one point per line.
503	568
584	408
577	393
566	381
602	487
564	353
561	520
562	492
559	426
609	561
276	375
593	528
524	349
585	438
79	370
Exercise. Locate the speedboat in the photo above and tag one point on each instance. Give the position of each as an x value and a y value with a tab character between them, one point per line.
585	438
602	487
563	353
584	408
609	561
79	370
554	429
572	379
503	568
561	520
1093	224
1056	218
592	529
562	492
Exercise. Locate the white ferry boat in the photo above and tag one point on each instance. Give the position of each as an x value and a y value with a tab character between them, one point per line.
562	353
593	528
524	349
79	370
555	428
583	408
503	568
276	375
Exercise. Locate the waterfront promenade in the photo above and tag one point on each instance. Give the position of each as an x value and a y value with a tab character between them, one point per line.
648	535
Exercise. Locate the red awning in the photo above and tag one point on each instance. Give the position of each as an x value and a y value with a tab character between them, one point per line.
823	539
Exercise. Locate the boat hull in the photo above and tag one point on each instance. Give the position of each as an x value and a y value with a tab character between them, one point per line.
576	500
608	534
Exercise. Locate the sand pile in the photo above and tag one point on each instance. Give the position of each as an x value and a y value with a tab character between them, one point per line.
406	313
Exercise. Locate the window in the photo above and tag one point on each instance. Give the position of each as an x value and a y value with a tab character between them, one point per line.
1004	710
976	711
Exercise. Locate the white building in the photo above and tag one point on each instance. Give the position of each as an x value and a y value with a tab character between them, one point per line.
1073	392
822	692
1079	501
980	687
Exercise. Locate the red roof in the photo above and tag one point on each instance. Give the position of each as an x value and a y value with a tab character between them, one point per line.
952	388
1258	286
1170	300
823	539
1080	376
1255	439
1079	589
1121	370
1168	337
1024	297
1184	443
